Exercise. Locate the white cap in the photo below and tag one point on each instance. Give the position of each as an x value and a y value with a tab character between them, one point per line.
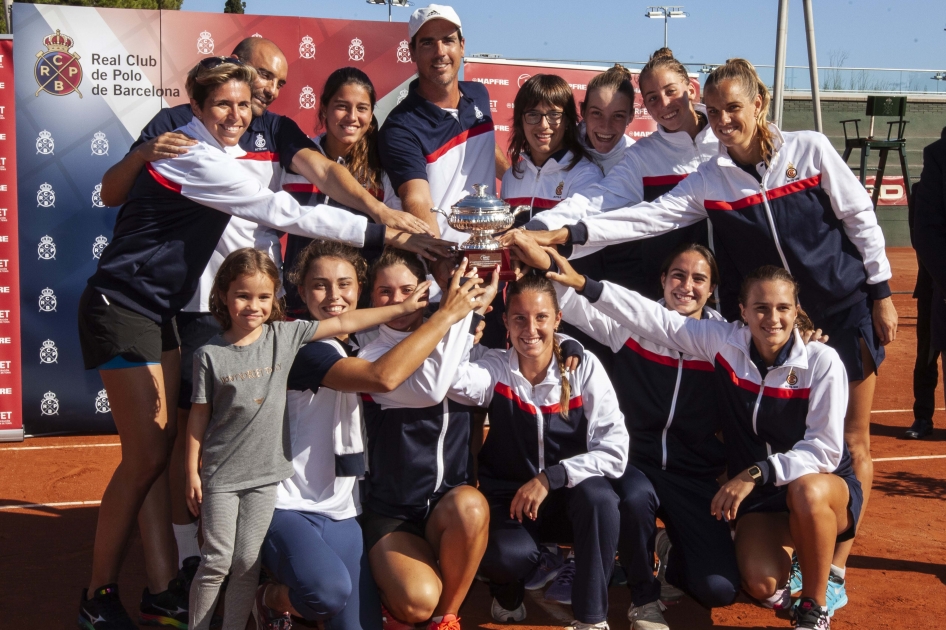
433	12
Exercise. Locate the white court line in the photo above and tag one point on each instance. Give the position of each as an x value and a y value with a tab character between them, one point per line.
43	448
903	459
33	506
901	410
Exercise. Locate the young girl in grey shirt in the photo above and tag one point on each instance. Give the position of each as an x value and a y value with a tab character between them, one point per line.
238	438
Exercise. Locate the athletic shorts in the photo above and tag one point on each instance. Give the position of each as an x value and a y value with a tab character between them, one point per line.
112	334
376	526
195	330
845	331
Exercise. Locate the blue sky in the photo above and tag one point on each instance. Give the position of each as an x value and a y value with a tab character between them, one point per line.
715	29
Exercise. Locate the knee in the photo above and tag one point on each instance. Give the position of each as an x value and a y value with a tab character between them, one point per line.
596	496
637	498
758	584
807	494
505	563
417	603
715	591
145	468
326	598
468	507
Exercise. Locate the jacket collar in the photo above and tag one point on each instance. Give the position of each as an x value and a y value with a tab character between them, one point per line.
433	113
558	161
618	149
682	139
778	140
552	375
708	313
797	358
196	129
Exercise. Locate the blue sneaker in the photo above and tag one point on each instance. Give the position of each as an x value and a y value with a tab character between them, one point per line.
550	565
561	589
794	580
837	594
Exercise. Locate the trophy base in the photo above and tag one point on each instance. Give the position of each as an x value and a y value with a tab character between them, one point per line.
486	261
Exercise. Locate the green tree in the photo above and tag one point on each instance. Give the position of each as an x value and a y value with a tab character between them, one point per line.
234	6
172	5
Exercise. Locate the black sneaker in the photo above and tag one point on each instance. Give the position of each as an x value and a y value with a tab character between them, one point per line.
188	570
921	428
104	610
267	618
167	608
810	616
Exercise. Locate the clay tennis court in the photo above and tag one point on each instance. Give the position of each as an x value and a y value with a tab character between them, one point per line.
896	576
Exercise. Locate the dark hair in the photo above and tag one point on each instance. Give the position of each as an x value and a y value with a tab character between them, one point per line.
617	78
243	262
413	44
663	58
554	90
541	284
745	73
768	273
362	161
201	81
391	257
327	249
703	251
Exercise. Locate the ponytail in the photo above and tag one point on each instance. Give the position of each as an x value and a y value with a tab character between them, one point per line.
566	396
663	58
617	78
745	73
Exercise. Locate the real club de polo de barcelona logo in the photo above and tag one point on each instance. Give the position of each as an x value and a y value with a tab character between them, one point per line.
57	70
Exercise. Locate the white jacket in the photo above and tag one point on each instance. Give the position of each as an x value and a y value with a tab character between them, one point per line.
544	187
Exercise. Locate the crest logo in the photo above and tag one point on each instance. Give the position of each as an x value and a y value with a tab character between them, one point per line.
792	378
205	43
560	188
307	98
45	143
790	172
404	52
356	52
97	196
401	96
57	70
47	301
46	248
49	353
49	406
260	141
478	112
101	402
256	35
99	144
45	196
99	246
522	79
307	48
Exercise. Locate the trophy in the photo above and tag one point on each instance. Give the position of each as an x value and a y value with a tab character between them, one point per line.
483	215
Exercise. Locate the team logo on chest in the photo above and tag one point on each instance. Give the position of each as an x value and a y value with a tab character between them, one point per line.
560	188
49	353
260	142
101	402
45	196
401	96
49	406
403	52
478	112
57	70
97	196
99	144
47	301
356	52
307	48
790	172
99	246
205	43
792	378
45	143
46	248
307	98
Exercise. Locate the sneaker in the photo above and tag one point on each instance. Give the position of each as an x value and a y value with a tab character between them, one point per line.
389	622
188	570
668	592
577	625
561	589
502	615
449	622
267	618
104	610
648	617
167	608
550	565
794	578
837	594
921	428
781	600
808	614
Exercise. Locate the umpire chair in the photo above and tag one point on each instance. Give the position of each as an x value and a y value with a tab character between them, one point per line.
888	106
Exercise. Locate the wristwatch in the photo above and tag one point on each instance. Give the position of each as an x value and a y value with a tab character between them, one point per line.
756	473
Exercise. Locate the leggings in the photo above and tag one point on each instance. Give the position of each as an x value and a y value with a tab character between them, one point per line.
325	566
702	560
234	525
586	515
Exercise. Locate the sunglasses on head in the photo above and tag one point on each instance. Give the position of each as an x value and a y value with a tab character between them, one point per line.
209	63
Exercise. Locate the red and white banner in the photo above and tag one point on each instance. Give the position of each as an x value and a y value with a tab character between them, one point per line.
503	78
11	405
892	191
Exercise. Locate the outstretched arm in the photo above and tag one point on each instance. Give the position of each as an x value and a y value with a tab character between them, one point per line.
120	178
360	319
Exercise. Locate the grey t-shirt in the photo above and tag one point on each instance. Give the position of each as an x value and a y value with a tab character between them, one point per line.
246	444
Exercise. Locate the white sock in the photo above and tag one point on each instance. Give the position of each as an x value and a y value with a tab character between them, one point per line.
838	571
186	537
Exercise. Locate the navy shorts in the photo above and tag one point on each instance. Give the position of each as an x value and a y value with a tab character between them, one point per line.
845	331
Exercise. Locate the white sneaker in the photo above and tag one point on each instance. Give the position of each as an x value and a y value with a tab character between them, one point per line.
648	617
501	615
668	592
577	625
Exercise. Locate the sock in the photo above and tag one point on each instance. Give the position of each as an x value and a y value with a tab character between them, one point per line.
437	619
186	537
838	571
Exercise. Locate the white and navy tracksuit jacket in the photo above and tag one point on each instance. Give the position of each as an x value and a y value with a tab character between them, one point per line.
527	434
809	215
420	140
792	420
544	187
178	208
668	397
418	440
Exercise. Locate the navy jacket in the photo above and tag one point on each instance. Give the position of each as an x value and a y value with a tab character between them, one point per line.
929	233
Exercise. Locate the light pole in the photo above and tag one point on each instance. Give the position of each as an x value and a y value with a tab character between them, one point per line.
665	13
939	76
392	3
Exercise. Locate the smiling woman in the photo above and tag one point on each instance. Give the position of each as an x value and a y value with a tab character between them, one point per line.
221	97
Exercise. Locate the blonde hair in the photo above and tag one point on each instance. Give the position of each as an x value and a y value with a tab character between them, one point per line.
201	81
745	73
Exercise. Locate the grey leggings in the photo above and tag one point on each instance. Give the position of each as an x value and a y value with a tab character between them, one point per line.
234	524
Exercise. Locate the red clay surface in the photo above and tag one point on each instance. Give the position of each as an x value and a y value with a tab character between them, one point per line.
896	576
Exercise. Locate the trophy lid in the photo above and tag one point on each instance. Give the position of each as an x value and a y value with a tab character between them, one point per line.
481	201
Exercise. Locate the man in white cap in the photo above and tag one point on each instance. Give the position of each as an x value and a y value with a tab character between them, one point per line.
439	141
